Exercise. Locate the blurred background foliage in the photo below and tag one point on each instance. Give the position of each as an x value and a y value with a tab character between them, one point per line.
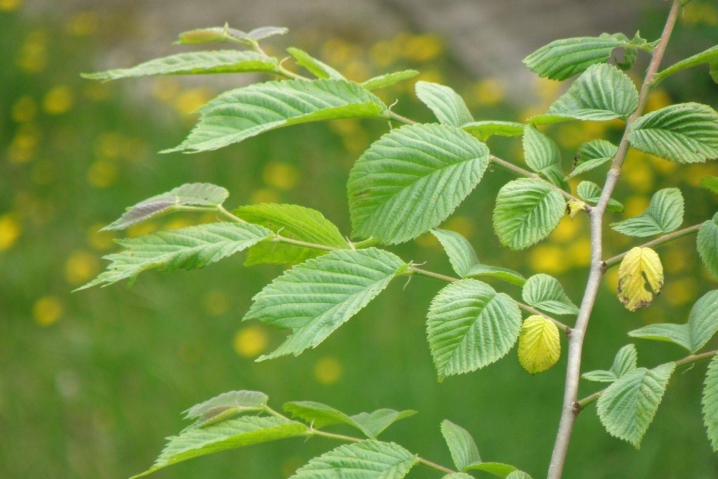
91	383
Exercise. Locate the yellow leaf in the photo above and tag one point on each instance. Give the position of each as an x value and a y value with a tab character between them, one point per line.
539	344
640	278
574	206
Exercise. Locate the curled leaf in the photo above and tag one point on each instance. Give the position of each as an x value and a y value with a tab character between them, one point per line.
640	278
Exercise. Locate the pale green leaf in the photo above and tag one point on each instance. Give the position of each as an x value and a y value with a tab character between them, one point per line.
504	274
192	194
684	133
710	402
702	325
483	130
640	278
591	155
561	59
229	434
542	156
518	475
664	214
546	293
625	361
412	179
601	93
319	69
246	112
497	469
599	376
539	344
362	460
225	406
446	104
707	244
193	63
709	56
375	422
470	326
461	445
458	475
184	248
590	192
316	297
294	222
389	79
627	406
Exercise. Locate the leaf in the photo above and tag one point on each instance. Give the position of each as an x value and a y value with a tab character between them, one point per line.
294	222
701	326
709	56
527	211
225	406
684	133
710	183
707	244
458	475
191	194
461	445
625	361
320	415
710	402
591	155
229	434
495	468
184	248
226	34
245	112
316	297
470	326
446	104
518	475
483	130
591	193
389	79
412	179
664	214
361	460
193	63
465	263
562	59
317	68
601	93
542	156
640	278
539	344
545	292
628	406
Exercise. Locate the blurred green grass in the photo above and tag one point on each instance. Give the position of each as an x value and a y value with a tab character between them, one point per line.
91	383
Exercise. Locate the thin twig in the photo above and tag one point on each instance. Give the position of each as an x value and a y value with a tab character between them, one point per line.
656	242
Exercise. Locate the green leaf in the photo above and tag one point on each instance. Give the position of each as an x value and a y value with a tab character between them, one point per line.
709	56
361	460
527	211
495	468
192	194
226	34
542	156
465	263
193	63
317	68
294	222
458	475
664	214
446	104
628	406
710	402
590	192
561	59
246	112
316	297
470	326
229	434
518	475
184	248
707	244
625	361
320	415
591	155
684	133
225	406
546	293
412	179
701	326
710	183
601	93
389	79
461	445
483	130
